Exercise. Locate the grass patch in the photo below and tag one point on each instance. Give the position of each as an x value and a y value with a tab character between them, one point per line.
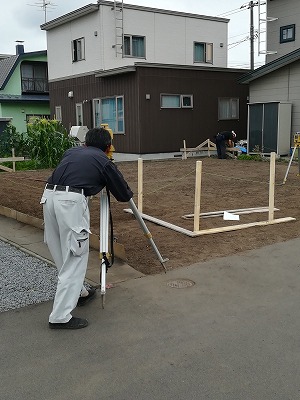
25	165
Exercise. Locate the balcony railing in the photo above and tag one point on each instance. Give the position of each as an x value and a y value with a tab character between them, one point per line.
35	85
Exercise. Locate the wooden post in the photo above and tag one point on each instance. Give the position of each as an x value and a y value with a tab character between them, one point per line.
13	156
140	185
184	156
272	186
197	196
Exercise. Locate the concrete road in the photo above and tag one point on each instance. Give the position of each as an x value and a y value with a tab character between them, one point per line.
234	334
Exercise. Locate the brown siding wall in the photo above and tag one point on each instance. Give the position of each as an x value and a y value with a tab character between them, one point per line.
165	129
89	88
148	128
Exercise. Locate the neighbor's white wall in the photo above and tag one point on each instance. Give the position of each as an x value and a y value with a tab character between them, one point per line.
169	40
281	85
287	12
59	47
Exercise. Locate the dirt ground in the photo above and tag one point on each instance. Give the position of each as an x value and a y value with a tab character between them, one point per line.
169	192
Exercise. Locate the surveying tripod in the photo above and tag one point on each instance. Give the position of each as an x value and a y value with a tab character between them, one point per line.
104	235
296	146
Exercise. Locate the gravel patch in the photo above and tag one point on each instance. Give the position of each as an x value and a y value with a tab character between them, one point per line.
24	279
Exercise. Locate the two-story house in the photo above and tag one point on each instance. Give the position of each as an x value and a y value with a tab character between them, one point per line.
155	76
24	89
274	89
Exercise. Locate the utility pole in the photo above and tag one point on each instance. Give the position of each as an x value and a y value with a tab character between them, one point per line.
251	5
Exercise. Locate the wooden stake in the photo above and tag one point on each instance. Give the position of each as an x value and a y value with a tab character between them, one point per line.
272	187
197	196
184	156
211	230
140	185
237	211
13	156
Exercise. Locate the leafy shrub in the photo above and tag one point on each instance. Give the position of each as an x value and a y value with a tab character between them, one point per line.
24	165
253	157
9	139
47	140
44	143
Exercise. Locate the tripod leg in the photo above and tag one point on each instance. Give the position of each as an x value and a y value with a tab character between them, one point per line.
146	232
289	166
103	282
104	228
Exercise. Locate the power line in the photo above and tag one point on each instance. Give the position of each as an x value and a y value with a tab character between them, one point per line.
228	13
241	34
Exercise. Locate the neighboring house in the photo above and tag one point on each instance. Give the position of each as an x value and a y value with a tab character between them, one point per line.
283	28
274	89
155	76
24	91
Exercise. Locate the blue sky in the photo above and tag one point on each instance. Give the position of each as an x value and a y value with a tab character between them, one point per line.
21	20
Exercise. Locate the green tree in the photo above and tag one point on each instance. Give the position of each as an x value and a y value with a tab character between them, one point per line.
9	139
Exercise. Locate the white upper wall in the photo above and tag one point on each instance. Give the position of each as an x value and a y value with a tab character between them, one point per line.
287	13
169	38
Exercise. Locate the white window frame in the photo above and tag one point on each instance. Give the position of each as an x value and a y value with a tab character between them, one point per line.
78	49
58	114
233	103
79	114
180	97
97	106
208	53
131	47
117	114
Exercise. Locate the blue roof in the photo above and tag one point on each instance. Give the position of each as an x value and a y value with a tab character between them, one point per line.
24	97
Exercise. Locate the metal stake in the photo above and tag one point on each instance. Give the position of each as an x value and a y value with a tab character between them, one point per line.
147	232
104	229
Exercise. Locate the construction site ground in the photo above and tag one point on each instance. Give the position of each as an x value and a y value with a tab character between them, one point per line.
169	194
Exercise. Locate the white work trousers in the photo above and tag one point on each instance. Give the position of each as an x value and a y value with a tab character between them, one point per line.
67	228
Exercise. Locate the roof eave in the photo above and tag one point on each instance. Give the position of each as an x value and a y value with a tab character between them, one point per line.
133	68
95	7
115	71
270	67
164	11
80	12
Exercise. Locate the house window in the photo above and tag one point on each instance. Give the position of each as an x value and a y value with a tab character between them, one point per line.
57	115
134	46
79	114
176	101
109	110
78	49
203	52
34	77
228	108
287	33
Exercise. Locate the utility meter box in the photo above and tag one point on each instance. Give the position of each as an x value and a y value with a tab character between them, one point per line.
79	132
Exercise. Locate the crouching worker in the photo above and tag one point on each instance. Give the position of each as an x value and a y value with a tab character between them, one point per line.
224	139
83	171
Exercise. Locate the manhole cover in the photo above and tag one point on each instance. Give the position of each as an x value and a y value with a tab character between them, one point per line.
180	283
